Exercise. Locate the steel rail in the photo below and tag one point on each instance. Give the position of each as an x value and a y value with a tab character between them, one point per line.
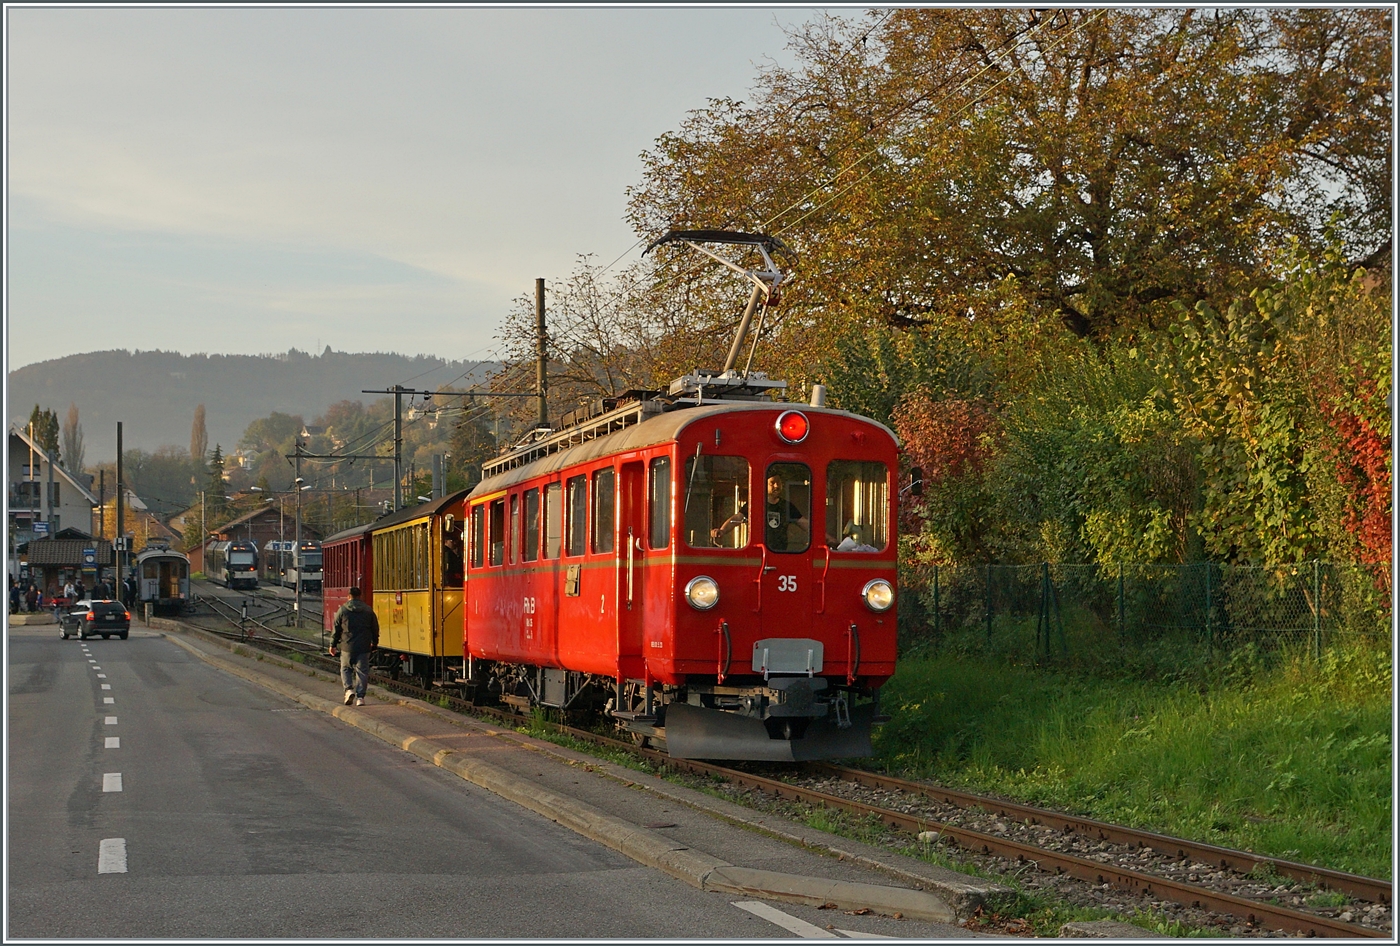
1255	912
1371	889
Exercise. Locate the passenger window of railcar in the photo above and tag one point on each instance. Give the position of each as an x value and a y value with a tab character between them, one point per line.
659	505
478	539
857	505
532	525
553	519
496	537
716	502
514	529
576	517
787	507
603	499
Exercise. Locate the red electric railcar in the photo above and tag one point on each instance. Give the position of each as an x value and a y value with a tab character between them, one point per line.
720	575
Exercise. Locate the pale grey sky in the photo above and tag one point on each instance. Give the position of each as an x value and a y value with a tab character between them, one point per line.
251	180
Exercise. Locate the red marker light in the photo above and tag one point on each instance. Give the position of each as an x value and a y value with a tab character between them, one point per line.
793	426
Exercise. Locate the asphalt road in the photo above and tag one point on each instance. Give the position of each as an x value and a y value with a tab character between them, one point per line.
196	805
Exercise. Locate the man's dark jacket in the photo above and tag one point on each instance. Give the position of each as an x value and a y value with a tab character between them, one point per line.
356	624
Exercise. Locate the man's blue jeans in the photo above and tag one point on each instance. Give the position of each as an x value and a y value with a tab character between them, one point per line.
355	669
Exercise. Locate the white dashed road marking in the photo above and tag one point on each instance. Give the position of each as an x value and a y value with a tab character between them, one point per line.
92	660
106	686
113	742
111	856
790	923
110	720
108	699
111	781
857	934
102	676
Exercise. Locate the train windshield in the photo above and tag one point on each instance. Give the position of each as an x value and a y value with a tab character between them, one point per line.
857	505
311	561
240	557
716	502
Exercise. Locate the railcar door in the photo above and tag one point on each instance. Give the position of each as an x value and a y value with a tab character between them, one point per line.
787	530
631	569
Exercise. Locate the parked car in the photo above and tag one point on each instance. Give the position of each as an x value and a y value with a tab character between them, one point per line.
86	619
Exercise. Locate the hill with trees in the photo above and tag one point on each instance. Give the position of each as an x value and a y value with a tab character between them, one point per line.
155	393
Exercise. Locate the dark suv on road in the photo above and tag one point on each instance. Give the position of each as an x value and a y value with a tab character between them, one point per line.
89	618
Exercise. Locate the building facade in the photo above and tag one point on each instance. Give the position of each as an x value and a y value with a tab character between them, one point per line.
44	498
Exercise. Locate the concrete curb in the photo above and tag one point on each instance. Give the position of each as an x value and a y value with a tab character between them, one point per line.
645	847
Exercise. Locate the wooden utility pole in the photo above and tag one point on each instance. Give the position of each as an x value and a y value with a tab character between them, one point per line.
541	358
121	521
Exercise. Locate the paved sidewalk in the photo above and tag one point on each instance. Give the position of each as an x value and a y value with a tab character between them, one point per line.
709	842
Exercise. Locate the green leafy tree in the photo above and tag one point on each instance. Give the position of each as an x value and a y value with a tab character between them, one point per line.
215	499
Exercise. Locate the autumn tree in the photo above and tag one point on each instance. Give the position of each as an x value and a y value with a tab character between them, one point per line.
1112	161
73	440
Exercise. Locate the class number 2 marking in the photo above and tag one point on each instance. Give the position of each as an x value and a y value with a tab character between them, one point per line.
787	582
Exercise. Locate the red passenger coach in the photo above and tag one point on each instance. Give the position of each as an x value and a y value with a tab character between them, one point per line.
347	561
713	568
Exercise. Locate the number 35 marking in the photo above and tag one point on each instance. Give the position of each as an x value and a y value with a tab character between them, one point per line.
787	582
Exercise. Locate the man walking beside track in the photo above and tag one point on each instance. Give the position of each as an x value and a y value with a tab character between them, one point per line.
356	625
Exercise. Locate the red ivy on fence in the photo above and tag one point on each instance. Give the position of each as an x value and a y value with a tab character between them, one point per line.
1362	457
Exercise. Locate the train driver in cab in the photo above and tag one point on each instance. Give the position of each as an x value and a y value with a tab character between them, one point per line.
778	514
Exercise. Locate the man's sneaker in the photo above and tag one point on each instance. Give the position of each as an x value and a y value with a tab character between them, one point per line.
359	701
349	695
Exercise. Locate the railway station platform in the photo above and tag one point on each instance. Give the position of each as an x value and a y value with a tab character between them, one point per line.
705	841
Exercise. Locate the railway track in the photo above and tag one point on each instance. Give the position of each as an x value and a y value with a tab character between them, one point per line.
1257	913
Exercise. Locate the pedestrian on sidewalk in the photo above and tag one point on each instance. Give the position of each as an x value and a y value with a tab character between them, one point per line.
358	629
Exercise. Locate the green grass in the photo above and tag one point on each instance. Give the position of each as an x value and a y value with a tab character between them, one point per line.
1292	761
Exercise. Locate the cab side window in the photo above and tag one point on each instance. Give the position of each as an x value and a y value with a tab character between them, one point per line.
659	502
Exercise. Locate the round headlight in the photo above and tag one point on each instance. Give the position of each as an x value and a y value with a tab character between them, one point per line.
702	593
878	595
793	426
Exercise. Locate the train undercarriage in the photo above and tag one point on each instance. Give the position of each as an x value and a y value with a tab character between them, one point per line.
781	719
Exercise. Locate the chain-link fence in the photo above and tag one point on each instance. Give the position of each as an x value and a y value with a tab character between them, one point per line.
1092	614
